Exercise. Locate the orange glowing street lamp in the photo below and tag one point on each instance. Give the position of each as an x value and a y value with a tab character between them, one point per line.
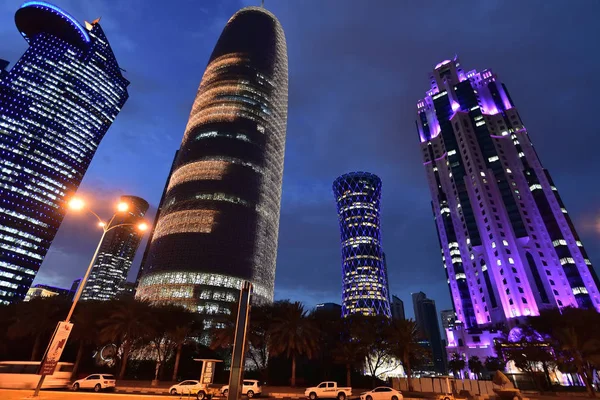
78	204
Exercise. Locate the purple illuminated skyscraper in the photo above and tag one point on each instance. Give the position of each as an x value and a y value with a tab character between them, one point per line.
508	244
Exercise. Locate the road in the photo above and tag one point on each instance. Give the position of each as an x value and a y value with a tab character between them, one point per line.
10	394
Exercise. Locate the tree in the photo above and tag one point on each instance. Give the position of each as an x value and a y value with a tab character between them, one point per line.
372	333
186	324
456	365
293	334
475	366
331	327
85	328
127	325
349	350
404	337
493	364
573	333
37	319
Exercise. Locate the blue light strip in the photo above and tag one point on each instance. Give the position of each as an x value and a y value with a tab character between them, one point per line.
72	20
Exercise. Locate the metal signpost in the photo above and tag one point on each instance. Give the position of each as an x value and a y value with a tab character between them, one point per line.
208	370
53	352
239	343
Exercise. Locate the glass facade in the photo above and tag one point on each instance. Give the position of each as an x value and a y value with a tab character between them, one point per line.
108	276
56	104
509	246
365	284
219	216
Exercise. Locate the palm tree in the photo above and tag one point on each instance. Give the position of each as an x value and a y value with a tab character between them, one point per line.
186	324
404	336
36	319
456	365
349	350
475	366
293	333
85	327
127	325
573	333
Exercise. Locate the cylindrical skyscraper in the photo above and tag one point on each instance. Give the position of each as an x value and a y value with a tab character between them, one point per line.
219	219
109	272
365	288
56	104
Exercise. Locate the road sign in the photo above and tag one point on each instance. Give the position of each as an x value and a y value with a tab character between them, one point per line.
209	371
57	345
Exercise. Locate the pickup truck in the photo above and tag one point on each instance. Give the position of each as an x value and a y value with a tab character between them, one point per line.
328	390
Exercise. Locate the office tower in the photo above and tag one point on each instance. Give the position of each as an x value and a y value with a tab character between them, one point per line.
219	219
109	273
56	104
75	286
365	284
329	307
426	317
397	308
509	247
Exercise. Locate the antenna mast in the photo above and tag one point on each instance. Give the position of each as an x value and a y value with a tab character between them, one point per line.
262	3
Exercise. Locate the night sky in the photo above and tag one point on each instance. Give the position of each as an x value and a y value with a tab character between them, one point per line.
356	71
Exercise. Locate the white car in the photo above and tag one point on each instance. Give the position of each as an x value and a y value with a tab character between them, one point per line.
250	388
97	382
382	393
185	387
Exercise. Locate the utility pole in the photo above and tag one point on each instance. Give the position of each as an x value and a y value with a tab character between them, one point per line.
239	343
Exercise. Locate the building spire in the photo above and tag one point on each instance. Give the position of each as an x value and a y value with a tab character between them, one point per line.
262	3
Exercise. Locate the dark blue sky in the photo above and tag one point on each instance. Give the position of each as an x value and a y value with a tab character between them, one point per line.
356	70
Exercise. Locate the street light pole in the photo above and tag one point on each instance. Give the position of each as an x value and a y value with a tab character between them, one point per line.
105	229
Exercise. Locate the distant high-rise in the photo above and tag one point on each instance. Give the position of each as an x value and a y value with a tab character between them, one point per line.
219	218
426	317
329	307
509	247
56	104
397	308
364	276
109	273
448	319
44	291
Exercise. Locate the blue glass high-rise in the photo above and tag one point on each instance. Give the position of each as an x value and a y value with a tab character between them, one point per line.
365	288
56	104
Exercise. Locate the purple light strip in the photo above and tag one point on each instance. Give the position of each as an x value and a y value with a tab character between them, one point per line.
437	159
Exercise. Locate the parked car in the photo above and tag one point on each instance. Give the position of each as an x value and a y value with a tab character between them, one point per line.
328	390
97	382
250	388
185	387
382	393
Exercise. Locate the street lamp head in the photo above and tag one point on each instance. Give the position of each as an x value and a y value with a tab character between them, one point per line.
102	224
122	206
142	227
76	204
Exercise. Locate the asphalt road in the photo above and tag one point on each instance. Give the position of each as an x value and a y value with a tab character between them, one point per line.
14	394
10	394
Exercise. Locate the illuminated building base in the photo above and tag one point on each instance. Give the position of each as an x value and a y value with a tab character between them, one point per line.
200	292
467	344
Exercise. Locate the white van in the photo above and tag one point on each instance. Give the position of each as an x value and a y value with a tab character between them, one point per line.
23	375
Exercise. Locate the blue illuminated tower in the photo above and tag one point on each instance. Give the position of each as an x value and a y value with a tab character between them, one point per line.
56	104
365	283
